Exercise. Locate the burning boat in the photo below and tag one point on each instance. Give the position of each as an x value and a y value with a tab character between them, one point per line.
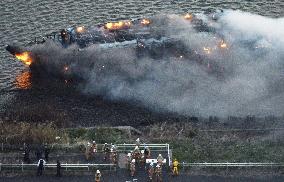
146	36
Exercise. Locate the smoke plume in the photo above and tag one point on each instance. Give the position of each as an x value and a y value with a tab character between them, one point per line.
252	64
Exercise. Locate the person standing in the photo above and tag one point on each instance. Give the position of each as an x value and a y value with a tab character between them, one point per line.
98	176
132	168
58	168
26	154
151	171
40	166
175	167
46	152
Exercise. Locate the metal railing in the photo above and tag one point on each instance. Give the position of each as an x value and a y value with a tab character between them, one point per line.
65	166
229	164
153	147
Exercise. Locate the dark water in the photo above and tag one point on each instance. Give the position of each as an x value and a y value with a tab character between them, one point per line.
22	20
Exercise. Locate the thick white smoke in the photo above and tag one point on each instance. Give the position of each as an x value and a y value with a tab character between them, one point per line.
253	69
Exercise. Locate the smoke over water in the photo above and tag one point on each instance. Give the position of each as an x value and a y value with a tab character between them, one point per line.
252	65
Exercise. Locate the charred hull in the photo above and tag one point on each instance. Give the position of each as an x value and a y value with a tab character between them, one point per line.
146	37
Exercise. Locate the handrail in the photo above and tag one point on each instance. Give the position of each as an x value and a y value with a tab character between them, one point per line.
228	164
23	166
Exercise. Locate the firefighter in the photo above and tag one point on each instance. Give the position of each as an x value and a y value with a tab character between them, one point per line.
142	158
87	152
136	153
113	156
175	167
94	147
98	176
138	142
147	152
132	168
128	160
106	151
158	173
151	171
160	160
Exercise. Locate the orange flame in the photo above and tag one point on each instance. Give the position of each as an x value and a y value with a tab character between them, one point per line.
223	44
207	50
188	16
25	57
80	29
145	21
118	25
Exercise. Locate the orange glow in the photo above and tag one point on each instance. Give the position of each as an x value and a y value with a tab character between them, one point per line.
25	57
23	80
207	50
66	68
118	25
223	44
80	29
188	16
145	21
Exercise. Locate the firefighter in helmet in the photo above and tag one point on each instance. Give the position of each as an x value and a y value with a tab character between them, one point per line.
132	167
151	171
160	160
98	176
158	173
88	151
136	152
175	167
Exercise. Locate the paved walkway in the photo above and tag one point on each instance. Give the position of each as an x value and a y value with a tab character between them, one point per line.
119	177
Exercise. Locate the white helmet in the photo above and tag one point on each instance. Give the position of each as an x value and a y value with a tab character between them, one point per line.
160	155
94	142
133	161
129	154
142	151
138	140
98	171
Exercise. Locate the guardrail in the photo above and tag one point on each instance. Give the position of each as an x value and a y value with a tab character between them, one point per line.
65	166
228	164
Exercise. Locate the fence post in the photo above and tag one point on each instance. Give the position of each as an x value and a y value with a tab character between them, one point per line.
22	167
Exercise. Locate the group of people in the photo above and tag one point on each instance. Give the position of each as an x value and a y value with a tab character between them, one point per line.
109	150
136	158
139	157
91	150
